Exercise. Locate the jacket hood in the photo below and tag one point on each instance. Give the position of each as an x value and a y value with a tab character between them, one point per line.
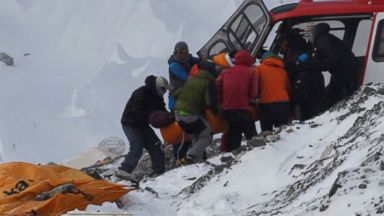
320	29
243	57
273	61
150	81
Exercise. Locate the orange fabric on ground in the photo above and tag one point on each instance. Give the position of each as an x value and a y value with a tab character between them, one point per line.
21	182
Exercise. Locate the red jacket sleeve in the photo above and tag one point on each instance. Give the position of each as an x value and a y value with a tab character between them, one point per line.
254	84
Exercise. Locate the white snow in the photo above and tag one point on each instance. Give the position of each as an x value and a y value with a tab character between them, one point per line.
76	63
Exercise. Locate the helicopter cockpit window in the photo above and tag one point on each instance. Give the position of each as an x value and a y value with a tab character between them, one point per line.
218	47
246	29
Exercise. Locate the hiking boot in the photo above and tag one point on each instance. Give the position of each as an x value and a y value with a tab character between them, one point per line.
272	138
266	133
126	175
256	141
184	161
154	174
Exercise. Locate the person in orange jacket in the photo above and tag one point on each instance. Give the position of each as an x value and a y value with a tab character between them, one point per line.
274	89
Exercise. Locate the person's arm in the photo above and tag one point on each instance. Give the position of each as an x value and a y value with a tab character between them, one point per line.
137	106
287	84
254	85
195	60
211	97
178	71
219	89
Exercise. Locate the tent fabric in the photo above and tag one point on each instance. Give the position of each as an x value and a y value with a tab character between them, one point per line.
21	182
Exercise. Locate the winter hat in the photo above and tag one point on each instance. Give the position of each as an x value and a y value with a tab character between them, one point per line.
269	54
181	45
162	85
150	81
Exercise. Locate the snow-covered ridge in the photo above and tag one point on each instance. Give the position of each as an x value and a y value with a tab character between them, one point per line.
330	165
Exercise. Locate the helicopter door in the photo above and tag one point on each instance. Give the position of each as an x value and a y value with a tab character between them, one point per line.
245	29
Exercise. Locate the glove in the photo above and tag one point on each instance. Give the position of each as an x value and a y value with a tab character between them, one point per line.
303	57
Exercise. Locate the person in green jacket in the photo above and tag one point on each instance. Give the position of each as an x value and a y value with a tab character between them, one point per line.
197	95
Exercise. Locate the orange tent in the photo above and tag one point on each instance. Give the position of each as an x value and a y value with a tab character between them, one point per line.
21	183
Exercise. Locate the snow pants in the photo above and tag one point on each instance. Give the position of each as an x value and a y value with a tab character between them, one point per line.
140	138
240	121
273	114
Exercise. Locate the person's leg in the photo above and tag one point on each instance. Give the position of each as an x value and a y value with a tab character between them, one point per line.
265	117
336	90
235	126
200	143
135	140
153	145
281	113
180	150
248	125
201	132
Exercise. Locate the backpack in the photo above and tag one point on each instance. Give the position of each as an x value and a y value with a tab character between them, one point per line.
159	119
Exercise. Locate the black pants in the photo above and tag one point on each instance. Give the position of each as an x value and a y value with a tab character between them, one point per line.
273	114
240	121
339	89
140	138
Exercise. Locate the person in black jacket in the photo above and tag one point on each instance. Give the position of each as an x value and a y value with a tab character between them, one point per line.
309	88
334	56
143	101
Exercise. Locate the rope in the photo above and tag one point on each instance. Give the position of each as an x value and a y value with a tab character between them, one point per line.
181	146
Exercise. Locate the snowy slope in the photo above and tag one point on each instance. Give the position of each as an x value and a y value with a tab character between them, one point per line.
77	62
331	165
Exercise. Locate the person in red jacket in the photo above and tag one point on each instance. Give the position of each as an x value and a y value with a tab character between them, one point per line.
237	88
274	92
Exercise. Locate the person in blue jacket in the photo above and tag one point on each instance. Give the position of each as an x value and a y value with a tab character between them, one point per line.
180	63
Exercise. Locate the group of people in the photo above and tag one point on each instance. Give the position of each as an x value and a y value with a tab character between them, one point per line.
305	63
232	87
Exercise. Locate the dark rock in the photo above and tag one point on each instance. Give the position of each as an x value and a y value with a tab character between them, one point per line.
334	188
8	60
226	159
380	210
362	186
323	207
315	125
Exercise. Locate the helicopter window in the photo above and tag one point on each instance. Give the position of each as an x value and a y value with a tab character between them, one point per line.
246	29
378	49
